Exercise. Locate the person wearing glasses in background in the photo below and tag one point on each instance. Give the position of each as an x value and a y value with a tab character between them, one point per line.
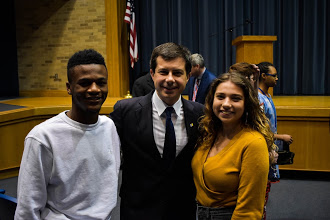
268	78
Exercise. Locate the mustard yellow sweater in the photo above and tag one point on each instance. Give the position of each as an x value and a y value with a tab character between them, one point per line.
236	176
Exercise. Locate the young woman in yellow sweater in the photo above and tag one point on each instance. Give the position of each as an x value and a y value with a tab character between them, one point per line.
231	163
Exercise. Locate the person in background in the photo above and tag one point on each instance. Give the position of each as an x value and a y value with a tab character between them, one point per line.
250	71
70	164
158	133
200	79
268	78
143	85
231	163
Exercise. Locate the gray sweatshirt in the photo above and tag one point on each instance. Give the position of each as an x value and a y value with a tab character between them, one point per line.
69	170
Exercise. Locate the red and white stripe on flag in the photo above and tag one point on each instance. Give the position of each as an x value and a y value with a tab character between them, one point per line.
130	18
127	17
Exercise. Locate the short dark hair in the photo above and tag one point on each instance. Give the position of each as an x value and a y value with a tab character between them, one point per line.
264	67
87	56
170	51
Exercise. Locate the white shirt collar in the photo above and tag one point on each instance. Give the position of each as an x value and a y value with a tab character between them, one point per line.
200	76
161	106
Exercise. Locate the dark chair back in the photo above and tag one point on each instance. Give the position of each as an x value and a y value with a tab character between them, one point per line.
7	207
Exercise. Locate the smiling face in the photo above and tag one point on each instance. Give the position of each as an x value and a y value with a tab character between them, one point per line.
228	103
89	89
170	79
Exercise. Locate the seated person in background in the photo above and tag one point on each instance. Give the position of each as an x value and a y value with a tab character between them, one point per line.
143	85
70	163
231	163
200	79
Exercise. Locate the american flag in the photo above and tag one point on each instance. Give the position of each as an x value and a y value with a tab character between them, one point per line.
130	19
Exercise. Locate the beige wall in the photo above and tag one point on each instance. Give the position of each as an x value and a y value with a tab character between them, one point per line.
47	35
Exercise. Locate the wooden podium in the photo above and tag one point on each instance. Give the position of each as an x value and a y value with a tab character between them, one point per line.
254	49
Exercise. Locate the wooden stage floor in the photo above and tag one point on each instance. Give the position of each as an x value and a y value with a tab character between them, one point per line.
316	106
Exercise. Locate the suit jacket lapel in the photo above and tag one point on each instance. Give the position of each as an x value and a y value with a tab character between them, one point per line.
145	126
202	85
191	86
190	119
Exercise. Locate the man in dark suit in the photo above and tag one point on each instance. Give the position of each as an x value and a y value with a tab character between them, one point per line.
157	180
143	85
200	79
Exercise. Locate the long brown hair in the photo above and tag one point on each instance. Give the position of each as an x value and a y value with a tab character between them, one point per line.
253	117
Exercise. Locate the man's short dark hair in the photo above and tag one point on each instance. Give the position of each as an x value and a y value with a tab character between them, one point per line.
87	56
170	51
264	67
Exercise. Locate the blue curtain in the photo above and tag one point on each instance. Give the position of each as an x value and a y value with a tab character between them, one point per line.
9	70
301	52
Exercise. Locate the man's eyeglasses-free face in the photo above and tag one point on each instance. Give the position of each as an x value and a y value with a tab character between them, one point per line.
275	76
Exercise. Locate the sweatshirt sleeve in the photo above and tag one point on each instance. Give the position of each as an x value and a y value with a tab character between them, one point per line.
35	172
116	148
115	116
252	181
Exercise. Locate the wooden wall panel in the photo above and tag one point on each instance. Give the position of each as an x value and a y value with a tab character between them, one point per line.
307	119
12	142
117	48
311	143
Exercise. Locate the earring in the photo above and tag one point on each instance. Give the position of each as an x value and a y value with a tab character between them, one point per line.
246	118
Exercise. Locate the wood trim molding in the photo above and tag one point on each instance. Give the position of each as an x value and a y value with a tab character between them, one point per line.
117	48
253	38
44	93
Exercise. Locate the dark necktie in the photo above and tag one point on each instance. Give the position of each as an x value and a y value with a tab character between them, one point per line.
170	142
